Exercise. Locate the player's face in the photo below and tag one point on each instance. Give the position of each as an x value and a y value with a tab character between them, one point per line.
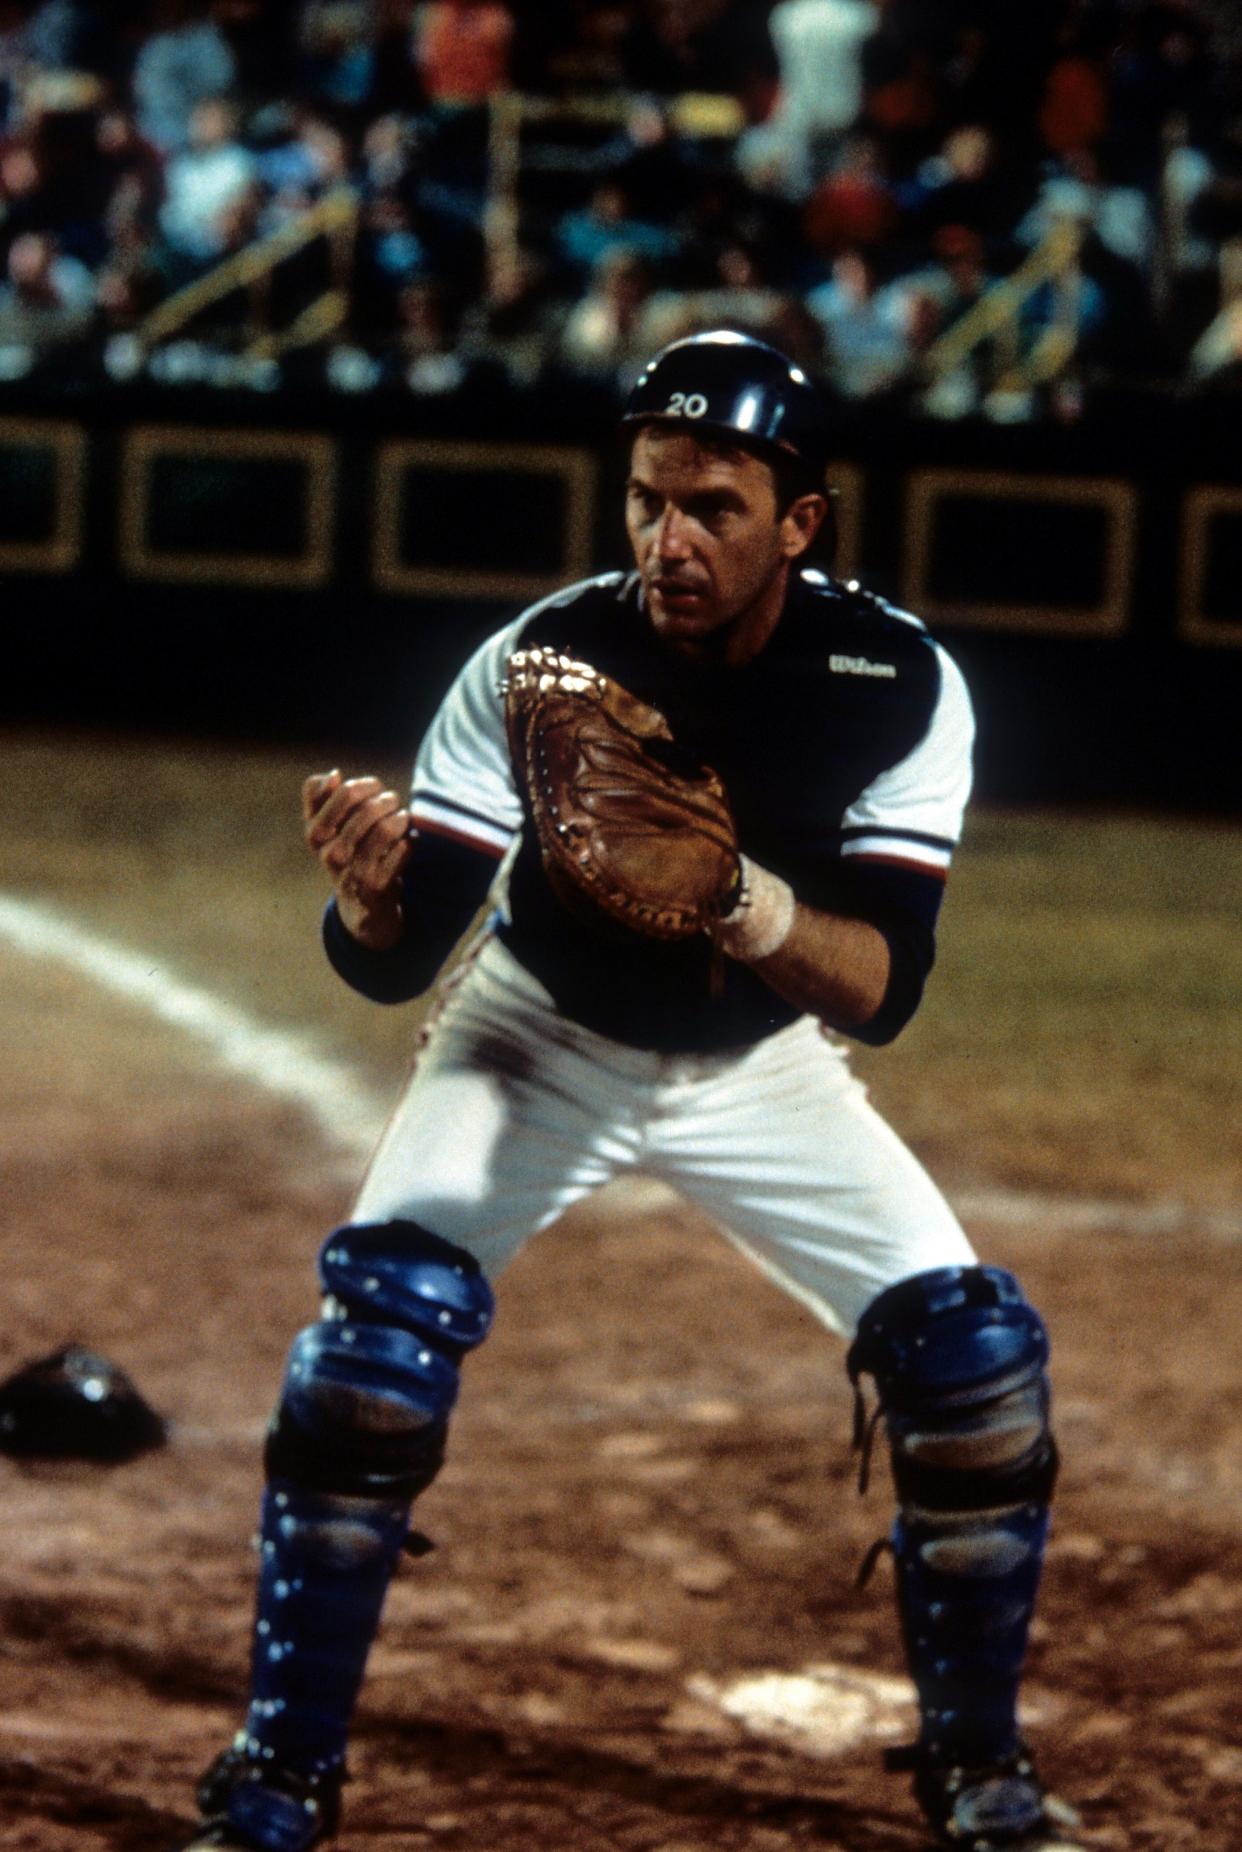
710	542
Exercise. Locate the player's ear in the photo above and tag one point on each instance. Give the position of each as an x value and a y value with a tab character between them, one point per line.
801	522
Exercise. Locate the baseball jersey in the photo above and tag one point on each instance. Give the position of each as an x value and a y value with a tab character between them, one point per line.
844	746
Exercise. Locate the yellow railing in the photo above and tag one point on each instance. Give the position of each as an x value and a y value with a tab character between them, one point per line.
997	315
250	269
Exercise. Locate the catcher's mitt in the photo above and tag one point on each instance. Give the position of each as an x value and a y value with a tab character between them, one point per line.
625	817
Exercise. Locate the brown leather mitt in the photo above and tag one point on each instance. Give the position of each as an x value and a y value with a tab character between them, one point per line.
627	820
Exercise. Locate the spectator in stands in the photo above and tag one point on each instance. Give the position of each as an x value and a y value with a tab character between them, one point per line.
127	289
1203	219
130	177
426	338
1075	306
186	61
902	86
212	196
855	206
461	51
1217	210
337	53
603	332
723	48
46	300
570	46
794	330
48	177
965	91
956	277
355	59
997	75
723	211
1110	304
389	149
935	297
460	60
655	165
12	60
1161	71
433	360
739	295
21	184
606	223
819	46
1215	360
1190	246
68	35
867	328
306	159
515	324
1079	188
964	183
1074	112
412	225
262	41
389	255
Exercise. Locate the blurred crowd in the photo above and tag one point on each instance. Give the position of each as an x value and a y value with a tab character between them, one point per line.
846	177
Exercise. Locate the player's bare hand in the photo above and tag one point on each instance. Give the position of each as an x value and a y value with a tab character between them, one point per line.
360	831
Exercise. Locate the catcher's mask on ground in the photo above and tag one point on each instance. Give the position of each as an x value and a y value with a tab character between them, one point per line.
711	542
76	1405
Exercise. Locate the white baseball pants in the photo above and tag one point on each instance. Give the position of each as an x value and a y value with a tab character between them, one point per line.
512	1113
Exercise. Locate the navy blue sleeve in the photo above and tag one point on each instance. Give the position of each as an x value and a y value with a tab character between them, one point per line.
903	904
444	883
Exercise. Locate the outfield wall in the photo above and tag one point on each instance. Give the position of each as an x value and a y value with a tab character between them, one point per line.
312	567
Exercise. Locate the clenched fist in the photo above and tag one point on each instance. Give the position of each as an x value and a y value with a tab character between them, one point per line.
361	833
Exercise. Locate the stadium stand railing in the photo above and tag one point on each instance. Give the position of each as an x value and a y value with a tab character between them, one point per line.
250	271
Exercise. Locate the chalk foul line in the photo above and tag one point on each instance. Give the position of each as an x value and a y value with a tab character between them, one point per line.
349	1113
287	1064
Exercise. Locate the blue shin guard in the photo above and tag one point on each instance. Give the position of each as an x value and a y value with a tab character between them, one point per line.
966	1593
326	1562
958	1357
358	1432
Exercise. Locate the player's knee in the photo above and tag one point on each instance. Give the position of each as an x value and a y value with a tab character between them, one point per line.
369	1388
959	1360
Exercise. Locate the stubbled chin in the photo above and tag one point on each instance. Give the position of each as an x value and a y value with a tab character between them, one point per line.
694	615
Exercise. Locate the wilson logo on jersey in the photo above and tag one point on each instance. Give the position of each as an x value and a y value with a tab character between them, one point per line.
859	665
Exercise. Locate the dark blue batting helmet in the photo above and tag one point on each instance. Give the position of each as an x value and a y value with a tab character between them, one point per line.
738	387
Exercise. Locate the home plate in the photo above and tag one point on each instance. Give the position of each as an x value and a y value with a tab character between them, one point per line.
823	1710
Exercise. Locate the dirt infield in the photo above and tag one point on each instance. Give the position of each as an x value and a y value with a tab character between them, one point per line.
650	1494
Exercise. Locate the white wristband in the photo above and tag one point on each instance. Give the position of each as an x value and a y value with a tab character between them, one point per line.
762	919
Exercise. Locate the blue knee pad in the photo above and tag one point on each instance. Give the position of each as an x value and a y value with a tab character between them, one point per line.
959	1359
369	1389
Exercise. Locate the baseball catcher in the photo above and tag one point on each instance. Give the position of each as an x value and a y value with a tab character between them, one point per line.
704	808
